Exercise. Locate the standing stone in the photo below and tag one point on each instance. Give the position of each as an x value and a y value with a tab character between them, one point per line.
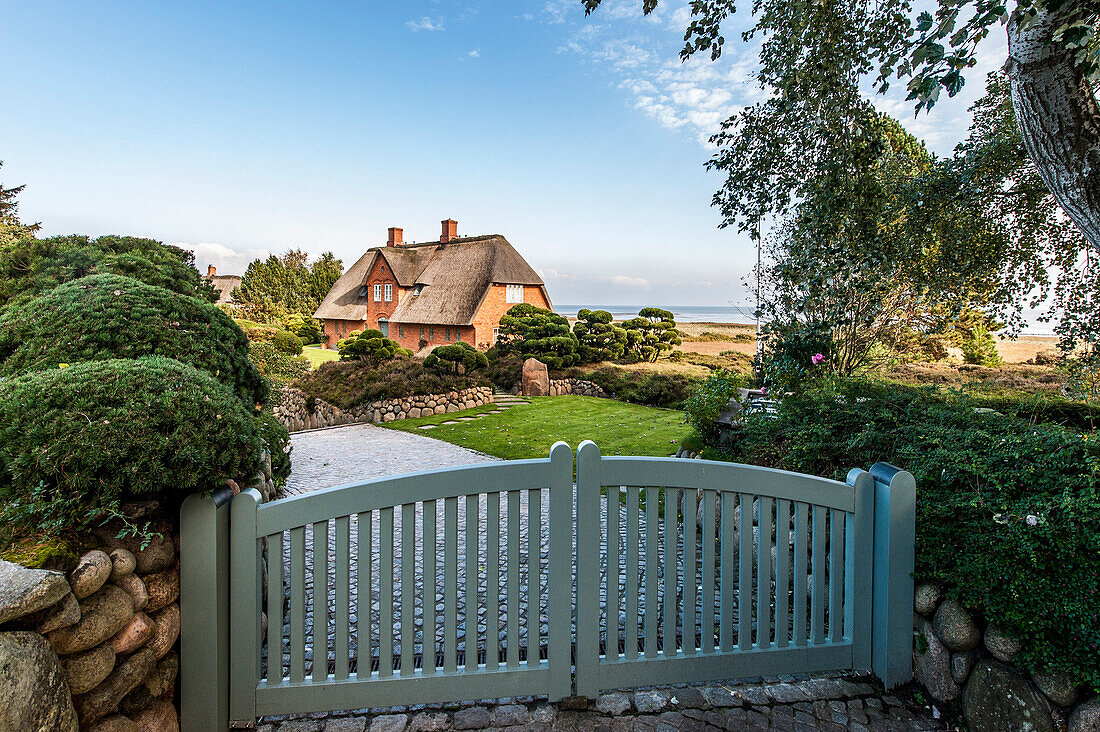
101	616
955	627
24	591
84	671
32	686
536	379
90	574
933	666
998	698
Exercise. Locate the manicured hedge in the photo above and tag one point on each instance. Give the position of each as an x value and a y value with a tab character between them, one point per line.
108	316
1008	511
75	441
638	387
347	384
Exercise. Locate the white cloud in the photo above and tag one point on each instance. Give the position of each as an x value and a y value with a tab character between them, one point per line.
226	259
626	281
426	24
476	53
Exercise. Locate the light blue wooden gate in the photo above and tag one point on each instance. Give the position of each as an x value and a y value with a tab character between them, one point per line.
654	570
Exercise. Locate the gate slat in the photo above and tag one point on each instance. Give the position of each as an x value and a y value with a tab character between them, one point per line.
744	577
492	581
836	573
709	539
725	582
534	575
450	584
801	542
320	601
512	650
782	572
672	505
764	575
385	592
632	571
342	561
364	633
817	597
691	573
470	593
652	529
611	645
408	586
275	608
297	605
431	584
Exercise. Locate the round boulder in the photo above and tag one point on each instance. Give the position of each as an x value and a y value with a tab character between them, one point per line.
955	627
33	686
90	574
167	630
1000	644
135	588
163	588
117	723
61	615
84	671
101	616
24	591
160	716
998	698
132	637
104	699
933	665
1086	717
123	562
925	598
1059	687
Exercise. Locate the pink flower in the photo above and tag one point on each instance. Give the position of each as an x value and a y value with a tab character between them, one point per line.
818	358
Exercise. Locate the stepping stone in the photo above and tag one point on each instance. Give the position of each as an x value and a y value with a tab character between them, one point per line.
464	419
450	421
427	427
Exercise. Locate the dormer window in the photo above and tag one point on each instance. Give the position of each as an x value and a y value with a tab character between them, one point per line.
418	289
363	291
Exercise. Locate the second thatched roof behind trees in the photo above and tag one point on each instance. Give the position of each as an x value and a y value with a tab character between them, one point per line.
455	276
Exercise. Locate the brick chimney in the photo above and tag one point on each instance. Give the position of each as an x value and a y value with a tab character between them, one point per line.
211	270
397	237
450	231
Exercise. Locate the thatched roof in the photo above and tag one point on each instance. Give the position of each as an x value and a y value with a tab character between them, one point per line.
455	277
225	284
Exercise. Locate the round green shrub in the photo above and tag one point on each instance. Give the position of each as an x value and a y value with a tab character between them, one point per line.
76	441
456	358
107	316
527	331
286	342
370	347
308	329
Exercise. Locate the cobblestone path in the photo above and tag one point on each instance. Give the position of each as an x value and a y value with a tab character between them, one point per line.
822	702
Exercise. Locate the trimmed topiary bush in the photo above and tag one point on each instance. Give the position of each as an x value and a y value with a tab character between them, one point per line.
348	384
457	359
370	347
76	441
107	316
527	331
286	342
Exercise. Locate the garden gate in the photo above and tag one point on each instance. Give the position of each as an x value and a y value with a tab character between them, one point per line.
650	570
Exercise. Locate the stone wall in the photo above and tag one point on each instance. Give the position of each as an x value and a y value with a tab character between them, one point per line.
292	409
567	387
99	642
957	660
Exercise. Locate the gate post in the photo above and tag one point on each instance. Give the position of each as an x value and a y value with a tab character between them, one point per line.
245	589
892	604
588	569
559	569
204	612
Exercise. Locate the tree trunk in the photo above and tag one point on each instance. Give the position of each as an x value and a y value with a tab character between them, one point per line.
1058	116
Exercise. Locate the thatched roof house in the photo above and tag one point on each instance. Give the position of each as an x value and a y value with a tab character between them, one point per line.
224	284
426	294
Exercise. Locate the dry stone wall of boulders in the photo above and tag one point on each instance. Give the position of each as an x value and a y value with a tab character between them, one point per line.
297	412
568	387
106	632
960	660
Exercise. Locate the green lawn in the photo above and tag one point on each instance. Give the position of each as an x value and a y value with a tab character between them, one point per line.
528	431
318	356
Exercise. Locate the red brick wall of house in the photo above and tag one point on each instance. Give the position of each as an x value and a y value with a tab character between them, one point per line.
494	307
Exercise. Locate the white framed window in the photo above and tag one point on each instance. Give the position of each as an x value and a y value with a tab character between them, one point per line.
496	334
389	292
514	293
378	293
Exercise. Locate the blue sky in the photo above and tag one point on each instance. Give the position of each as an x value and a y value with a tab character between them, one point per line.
239	129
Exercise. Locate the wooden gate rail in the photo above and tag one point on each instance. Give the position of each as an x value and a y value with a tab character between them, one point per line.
708	570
